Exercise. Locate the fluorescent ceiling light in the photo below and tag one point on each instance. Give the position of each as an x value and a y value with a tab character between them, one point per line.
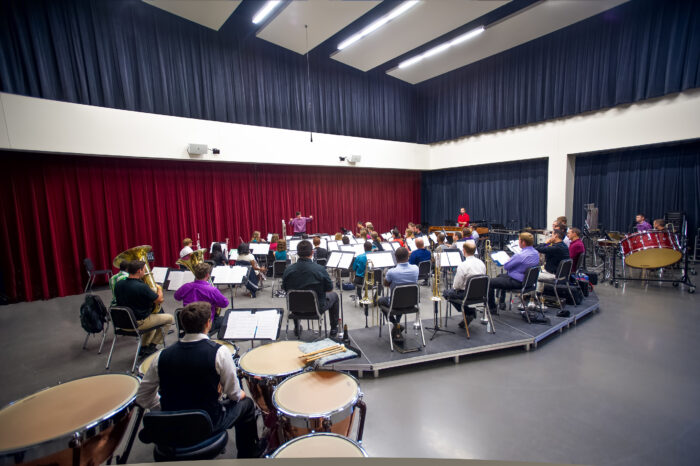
399	10
442	47
265	11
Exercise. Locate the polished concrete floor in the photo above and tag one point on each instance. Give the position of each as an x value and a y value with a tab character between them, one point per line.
621	388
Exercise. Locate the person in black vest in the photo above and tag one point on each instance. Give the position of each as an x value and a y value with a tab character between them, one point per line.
319	252
189	375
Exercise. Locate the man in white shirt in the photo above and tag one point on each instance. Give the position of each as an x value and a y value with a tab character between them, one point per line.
189	375
186	248
469	267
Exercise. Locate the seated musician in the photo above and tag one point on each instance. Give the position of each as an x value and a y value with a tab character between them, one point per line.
201	290
185	251
469	267
642	224
281	252
576	248
470	233
134	293
554	252
359	227
440	245
359	264
306	275
190	375
397	238
376	242
659	224
370	228
362	236
420	254
319	252
403	274
217	255
463	219
338	236
515	272
121	275
256	273
256	237
273	242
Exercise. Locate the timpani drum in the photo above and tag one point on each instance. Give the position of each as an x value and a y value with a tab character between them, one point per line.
320	445
146	363
264	367
76	423
651	249
318	401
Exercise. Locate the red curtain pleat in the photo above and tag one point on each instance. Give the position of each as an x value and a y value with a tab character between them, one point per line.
58	210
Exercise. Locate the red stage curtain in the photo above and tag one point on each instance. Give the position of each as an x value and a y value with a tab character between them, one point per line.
57	209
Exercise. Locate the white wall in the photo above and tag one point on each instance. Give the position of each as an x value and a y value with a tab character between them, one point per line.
50	126
670	118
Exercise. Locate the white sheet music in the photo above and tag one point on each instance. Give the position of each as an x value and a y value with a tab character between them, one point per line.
159	274
514	246
268	323
292	244
500	257
433	237
352	239
233	255
259	249
179	278
224	248
333	260
395	245
382	259
326	238
411	243
349	247
455	258
225	275
387	236
359	248
240	326
333	246
346	261
386	246
269	237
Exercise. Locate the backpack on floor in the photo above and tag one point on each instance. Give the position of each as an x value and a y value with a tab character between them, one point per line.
93	314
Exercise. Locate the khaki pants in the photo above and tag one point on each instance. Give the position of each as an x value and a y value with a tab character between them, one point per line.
154	336
547	276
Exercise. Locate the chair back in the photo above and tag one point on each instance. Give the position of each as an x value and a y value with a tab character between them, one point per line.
423	270
243	263
530	282
178	323
176	428
564	269
477	288
123	318
322	261
303	303
405	297
278	268
89	266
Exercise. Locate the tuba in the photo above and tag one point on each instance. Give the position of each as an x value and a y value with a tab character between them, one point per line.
197	257
139	253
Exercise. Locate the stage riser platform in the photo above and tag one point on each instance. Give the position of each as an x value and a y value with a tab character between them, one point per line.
512	331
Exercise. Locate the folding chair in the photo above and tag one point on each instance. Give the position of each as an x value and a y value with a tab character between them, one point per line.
92	273
529	288
303	305
404	301
477	293
561	278
278	268
424	271
124	323
178	324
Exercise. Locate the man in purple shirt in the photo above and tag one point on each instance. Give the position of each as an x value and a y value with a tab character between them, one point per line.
642	224
516	268
202	290
298	223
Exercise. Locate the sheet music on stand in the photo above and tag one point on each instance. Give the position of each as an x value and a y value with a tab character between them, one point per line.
500	258
359	248
292	244
411	243
514	246
224	248
326	238
269	237
259	249
349	248
233	255
433	237
340	260
160	274
251	324
179	278
352	239
387	236
450	258
225	275
382	259
333	246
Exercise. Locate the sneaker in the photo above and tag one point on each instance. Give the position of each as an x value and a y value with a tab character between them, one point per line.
563	313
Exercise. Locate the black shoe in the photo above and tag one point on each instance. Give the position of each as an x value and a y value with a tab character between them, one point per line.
334	332
502	306
563	313
297	330
461	324
147	350
261	448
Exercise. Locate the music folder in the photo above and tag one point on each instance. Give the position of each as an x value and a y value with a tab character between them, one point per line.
382	259
225	275
179	278
259	249
340	260
251	324
160	274
450	258
233	255
500	257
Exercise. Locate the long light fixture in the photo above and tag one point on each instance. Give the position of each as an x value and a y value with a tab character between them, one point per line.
399	10
442	47
265	11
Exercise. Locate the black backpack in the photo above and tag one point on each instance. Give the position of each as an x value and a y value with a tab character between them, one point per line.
93	314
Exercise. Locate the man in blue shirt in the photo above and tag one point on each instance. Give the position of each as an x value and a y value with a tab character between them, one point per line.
515	268
420	254
403	274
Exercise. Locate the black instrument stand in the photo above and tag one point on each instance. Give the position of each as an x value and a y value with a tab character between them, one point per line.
436	321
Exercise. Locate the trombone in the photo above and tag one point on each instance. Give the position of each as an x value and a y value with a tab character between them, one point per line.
436	286
367	284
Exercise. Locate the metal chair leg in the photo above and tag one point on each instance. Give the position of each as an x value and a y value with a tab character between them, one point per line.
86	340
104	337
136	357
420	323
109	358
391	341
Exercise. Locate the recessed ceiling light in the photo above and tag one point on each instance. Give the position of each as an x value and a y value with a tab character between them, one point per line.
442	47
265	11
399	10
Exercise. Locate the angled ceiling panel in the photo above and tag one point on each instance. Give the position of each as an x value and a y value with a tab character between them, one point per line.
424	22
209	13
323	17
530	24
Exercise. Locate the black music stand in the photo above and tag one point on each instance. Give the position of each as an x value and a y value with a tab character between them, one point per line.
231	280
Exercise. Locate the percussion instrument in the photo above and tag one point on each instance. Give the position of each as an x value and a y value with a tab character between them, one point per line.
264	367
606	243
146	363
77	423
320	445
651	249
316	401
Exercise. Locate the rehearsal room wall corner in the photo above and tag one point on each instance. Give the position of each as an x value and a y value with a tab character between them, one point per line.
666	119
41	125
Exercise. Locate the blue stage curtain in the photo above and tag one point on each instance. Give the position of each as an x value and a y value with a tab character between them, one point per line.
647	180
639	50
129	55
513	194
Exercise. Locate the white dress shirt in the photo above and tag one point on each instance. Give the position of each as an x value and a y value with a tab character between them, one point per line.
470	266
147	395
185	251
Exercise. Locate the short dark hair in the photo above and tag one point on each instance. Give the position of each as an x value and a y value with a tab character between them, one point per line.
346	240
201	270
134	266
194	316
216	247
298	212
243	248
441	237
304	249
123	265
317	241
458	235
368	246
559	234
401	254
576	231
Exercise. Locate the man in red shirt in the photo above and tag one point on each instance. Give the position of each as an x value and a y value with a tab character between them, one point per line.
576	248
463	219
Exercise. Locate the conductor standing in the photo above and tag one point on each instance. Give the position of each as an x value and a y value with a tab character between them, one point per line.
298	223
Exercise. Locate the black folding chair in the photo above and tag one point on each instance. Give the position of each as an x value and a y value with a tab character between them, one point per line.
124	323
529	289
404	301
303	305
92	273
278	268
182	435
424	271
178	323
477	292
561	278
